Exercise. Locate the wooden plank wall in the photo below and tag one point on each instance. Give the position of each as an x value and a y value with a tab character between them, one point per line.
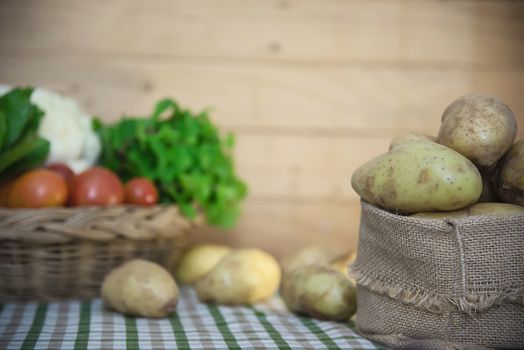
311	88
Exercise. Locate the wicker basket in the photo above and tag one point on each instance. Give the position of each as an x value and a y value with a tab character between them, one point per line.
60	253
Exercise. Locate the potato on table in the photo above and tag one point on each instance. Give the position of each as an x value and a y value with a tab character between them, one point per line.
320	292
310	255
140	288
199	260
244	276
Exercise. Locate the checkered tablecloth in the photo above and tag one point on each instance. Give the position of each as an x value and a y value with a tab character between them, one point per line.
88	325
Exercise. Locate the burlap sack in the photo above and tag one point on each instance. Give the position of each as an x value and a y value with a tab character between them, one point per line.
440	284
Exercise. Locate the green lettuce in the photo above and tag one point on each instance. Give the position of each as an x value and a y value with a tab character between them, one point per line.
184	154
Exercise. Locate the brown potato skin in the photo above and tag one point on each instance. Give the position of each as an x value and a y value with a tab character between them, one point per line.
141	288
509	180
488	192
480	127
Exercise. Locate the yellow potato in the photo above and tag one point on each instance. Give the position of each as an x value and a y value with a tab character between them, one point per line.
244	276
307	256
342	262
320	292
199	260
140	288
418	176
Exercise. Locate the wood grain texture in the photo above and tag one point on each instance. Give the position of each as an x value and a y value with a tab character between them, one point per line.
283	227
469	32
264	98
312	88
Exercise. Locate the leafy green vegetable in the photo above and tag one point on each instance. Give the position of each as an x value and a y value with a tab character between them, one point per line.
184	154
20	146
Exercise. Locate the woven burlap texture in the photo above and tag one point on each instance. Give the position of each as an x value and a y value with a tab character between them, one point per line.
452	279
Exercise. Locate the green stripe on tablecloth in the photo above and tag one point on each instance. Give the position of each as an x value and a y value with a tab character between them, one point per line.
36	328
319	333
131	333
178	331
82	335
221	324
275	335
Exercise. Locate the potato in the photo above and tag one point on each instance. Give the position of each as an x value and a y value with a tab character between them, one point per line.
140	288
412	136
308	256
418	176
320	292
488	194
342	262
509	181
244	276
493	209
480	127
319	256
199	260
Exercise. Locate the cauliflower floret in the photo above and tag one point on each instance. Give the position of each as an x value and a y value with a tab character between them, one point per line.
67	128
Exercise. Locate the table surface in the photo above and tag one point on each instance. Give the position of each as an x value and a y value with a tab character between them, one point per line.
88	325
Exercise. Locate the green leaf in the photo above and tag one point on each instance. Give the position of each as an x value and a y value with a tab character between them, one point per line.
3	128
229	141
34	158
199	184
184	153
20	114
188	210
22	150
162	106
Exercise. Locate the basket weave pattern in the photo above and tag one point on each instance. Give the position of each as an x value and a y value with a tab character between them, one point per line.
58	253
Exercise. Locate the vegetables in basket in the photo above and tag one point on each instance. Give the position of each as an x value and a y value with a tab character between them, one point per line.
59	130
184	154
20	146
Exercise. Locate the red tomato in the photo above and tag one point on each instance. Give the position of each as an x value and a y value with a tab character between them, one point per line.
5	189
38	188
64	171
96	186
141	191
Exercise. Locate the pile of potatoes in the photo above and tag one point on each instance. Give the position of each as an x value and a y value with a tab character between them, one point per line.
220	275
472	167
314	281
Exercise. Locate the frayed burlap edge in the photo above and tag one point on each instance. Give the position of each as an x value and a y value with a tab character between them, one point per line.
433	302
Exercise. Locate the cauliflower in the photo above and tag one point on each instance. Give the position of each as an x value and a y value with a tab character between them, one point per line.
67	128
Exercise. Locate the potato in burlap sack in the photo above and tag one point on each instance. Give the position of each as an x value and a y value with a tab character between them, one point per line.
440	284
